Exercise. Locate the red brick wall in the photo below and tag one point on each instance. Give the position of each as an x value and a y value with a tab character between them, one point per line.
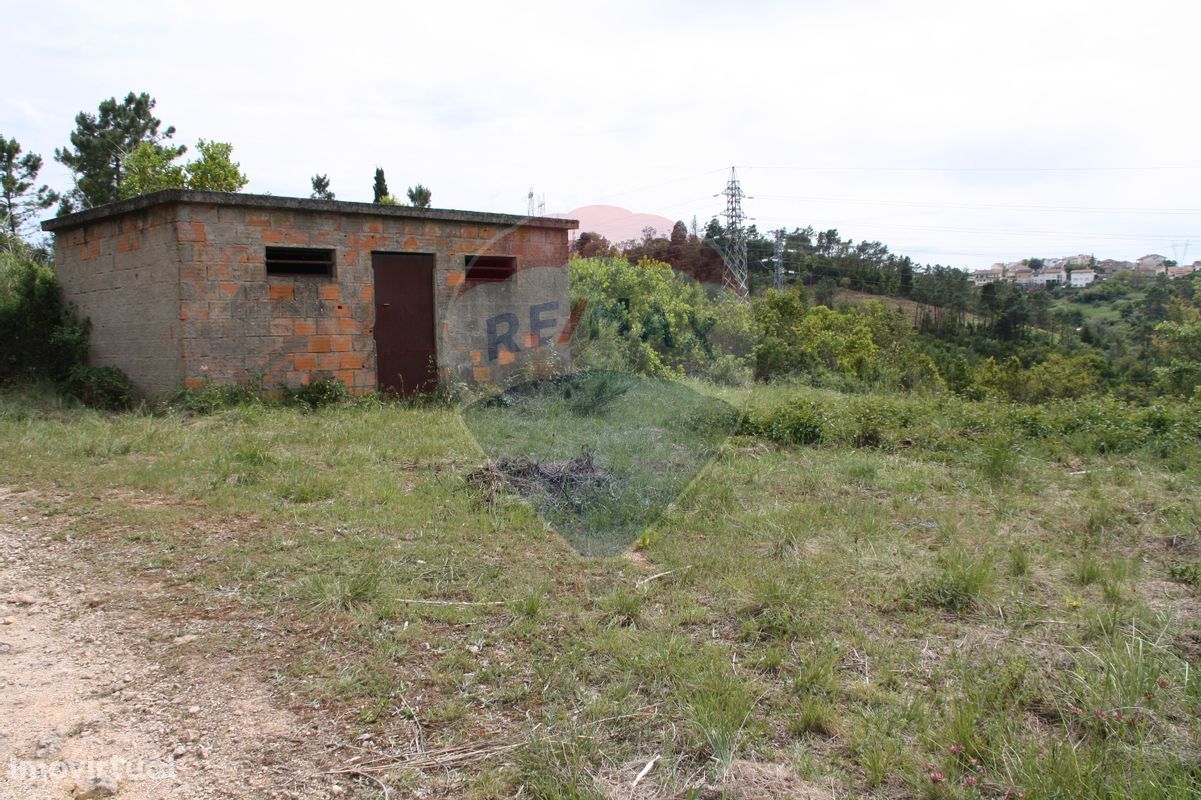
237	323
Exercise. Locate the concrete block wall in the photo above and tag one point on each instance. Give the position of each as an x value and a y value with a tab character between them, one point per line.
176	287
239	323
122	274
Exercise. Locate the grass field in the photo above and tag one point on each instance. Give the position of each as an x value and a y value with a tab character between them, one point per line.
885	596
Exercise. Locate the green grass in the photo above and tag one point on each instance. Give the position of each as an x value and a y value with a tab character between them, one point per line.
855	586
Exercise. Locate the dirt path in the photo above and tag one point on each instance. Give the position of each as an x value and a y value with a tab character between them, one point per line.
97	696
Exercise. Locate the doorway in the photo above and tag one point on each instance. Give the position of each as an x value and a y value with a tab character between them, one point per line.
405	349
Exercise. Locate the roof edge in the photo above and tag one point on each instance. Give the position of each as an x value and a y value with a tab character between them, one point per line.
275	203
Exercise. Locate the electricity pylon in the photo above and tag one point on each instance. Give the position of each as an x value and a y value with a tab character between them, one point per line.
733	251
778	258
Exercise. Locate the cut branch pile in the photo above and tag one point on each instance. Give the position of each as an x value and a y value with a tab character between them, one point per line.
563	483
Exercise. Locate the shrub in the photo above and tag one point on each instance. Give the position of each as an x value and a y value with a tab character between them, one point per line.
589	393
318	393
645	317
106	388
730	370
215	396
326	594
798	422
40	337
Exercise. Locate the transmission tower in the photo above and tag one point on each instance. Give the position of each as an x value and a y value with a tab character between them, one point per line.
778	258
734	251
1180	250
536	204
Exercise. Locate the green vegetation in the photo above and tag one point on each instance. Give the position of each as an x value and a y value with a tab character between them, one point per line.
889	606
947	553
21	199
1000	342
150	167
40	338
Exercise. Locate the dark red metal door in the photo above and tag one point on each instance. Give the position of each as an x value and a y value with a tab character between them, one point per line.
404	321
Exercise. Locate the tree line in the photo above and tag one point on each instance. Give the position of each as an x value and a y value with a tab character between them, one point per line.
123	150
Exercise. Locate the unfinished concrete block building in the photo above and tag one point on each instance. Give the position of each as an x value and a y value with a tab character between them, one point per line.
185	287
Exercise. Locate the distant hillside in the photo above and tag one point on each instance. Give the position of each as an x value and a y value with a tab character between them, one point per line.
911	308
618	224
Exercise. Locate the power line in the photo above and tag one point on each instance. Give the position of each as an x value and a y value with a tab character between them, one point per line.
1024	231
826	168
986	206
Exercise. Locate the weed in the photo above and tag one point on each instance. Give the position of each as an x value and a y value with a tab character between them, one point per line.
212	397
324	594
307	489
999	459
1189	574
1019	561
774	610
590	393
1088	571
529	607
815	716
106	388
957	585
817	672
876	756
319	392
798	421
557	770
718	710
622	608
772	659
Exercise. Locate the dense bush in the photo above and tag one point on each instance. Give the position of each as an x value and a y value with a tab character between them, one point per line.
650	319
40	337
318	393
646	318
106	388
791	415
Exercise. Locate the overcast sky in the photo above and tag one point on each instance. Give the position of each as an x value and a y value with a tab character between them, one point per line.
956	132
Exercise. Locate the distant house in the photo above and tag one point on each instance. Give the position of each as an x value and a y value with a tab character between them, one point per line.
1110	266
1082	277
1153	264
1047	277
1022	276
991	275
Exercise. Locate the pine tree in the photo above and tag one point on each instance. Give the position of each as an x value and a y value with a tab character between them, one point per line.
101	144
20	197
381	186
321	188
420	196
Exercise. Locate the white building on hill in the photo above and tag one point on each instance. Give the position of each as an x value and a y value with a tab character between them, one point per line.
1082	277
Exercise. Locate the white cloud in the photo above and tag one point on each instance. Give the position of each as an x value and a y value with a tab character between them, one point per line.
923	116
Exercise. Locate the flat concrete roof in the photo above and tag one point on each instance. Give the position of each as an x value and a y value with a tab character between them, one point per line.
270	202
